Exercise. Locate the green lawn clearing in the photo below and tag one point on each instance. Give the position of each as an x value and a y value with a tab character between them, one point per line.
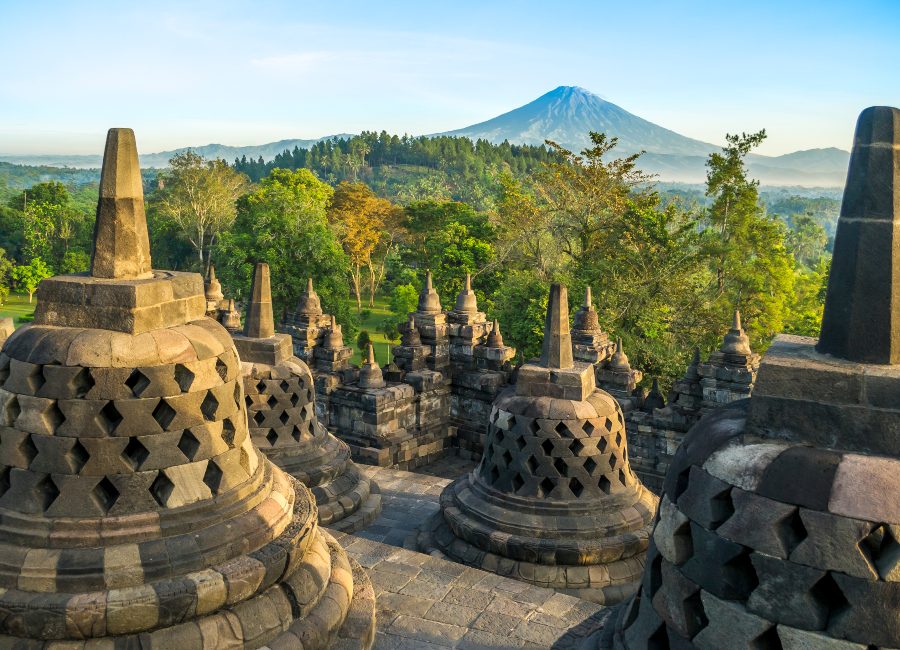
18	308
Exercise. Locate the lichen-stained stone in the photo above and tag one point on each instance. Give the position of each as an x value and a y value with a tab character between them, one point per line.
281	406
136	510
809	556
553	496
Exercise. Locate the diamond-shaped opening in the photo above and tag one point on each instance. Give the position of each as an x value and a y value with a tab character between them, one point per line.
78	456
534	427
4	480
212	477
36	379
577	447
494	474
295	399
880	548
681	483
495	415
54	416
520	443
588	427
272	402
209	406
135	453
561	429
161	489
602	444
613	461
507	457
546	487
604	484
28	449
137	382
83	382
261	387
511	422
222	369
654	575
576	487
517	483
183	377
768	639
619	439
284	418
111	417
284	386
248	401
561	467
188	444
498	435
272	437
45	491
547	446
608	424
623	478
297	433
105	494
163	414
228	432
590	464
310	395
741	574
829	598
259	417
532	464
721	508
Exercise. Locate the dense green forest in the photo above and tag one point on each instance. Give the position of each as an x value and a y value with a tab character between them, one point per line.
366	216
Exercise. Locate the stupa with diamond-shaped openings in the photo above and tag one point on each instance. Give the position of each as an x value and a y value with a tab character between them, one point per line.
779	524
281	407
553	501
136	511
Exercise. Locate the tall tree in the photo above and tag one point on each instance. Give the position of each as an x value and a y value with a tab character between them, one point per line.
199	196
753	268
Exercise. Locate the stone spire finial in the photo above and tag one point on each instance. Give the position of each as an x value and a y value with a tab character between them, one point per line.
466	300
586	319
370	375
619	360
411	336
230	317
557	351
121	242
861	321
495	338
335	336
429	301
213	286
736	340
309	304
260	322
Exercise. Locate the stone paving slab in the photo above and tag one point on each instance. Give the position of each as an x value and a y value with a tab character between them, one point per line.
428	603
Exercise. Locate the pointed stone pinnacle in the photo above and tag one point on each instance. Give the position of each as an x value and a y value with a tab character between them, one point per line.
212	273
736	324
466	300
696	358
587	298
468	281
121	242
736	340
861	321
619	361
309	286
495	338
557	350
370	355
429	300
333	322
260	323
428	286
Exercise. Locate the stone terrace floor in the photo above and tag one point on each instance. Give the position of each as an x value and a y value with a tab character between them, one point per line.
429	603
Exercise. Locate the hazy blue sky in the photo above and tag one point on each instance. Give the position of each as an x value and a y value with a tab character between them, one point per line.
191	73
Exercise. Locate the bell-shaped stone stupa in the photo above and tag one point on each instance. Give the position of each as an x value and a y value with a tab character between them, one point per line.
281	406
136	511
779	525
554	501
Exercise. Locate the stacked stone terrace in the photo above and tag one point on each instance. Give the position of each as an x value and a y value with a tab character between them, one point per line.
136	510
778	526
655	430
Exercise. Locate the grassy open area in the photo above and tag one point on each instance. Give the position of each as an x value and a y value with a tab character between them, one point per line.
17	306
371	322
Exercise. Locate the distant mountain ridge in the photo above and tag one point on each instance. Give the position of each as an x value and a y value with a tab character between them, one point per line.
565	115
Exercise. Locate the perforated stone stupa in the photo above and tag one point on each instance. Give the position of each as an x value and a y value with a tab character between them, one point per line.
136	511
779	526
554	501
281	408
